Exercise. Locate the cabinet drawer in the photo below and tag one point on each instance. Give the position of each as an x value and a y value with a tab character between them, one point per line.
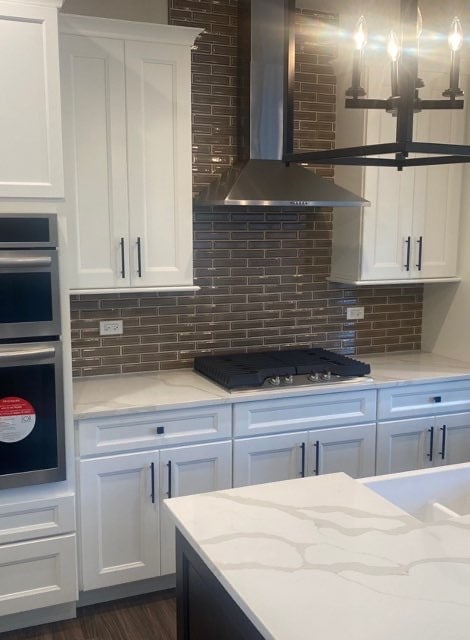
143	431
36	519
304	412
423	399
38	573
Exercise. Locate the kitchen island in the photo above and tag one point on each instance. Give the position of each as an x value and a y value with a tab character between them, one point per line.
319	557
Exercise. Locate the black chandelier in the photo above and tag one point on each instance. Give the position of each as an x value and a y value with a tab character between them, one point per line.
403	103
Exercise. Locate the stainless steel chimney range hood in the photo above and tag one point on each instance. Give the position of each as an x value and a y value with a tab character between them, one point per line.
266	56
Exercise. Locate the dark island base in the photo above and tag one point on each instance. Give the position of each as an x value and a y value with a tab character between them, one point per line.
205	611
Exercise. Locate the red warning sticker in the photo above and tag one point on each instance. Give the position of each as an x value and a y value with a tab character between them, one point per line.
17	419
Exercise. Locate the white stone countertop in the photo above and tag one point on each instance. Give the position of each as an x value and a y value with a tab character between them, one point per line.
326	557
140	392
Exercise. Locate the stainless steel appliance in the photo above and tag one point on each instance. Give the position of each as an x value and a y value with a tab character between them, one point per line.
32	448
286	368
29	277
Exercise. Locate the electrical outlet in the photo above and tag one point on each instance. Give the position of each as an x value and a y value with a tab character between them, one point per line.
355	313
111	327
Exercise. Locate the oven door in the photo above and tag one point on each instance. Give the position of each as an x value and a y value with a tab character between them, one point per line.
29	294
31	414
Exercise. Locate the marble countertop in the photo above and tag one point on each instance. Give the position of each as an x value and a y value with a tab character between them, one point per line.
327	557
133	393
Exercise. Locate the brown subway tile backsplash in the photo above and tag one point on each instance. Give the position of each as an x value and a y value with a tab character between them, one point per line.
262	271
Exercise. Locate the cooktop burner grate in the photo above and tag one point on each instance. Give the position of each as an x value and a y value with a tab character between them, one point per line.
245	370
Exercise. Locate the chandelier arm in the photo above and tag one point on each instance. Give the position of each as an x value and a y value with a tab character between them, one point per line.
372	149
421	162
435	147
441	104
366	103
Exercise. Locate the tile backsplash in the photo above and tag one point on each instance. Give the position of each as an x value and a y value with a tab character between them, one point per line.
261	271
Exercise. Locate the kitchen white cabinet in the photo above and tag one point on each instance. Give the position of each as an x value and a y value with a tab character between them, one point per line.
37	573
269	458
38	565
188	470
125	534
410	231
348	449
126	93
292	455
404	445
119	519
31	163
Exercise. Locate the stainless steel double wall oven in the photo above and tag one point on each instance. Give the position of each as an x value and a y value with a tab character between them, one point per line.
32	449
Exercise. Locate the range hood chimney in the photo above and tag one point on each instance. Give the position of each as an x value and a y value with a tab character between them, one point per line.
266	53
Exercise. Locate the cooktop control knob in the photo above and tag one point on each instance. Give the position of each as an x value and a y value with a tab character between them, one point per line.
314	377
275	381
287	379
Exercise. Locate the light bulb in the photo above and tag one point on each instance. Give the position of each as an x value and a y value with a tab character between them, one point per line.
393	46
456	35
419	25
360	34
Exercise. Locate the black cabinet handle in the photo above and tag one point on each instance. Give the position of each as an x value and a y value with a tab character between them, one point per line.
152	480
408	253
437	399
139	258
123	259
420	252
444	434
302	469
316	471
431	443
169	479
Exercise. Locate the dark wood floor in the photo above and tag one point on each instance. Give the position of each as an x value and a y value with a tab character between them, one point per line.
148	617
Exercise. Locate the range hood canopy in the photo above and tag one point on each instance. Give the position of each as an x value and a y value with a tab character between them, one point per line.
266	52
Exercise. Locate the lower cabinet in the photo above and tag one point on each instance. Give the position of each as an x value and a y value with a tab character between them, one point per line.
292	455
37	573
119	518
38	566
125	535
404	445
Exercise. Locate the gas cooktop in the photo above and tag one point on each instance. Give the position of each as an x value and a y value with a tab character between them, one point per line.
265	369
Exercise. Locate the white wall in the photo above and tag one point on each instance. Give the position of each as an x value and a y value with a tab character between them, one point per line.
139	10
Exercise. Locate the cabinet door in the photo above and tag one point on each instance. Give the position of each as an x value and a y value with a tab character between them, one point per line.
185	471
453	439
437	192
269	458
158	87
30	125
119	519
348	449
387	222
37	573
94	120
403	445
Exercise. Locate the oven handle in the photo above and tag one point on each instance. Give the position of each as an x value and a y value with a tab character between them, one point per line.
22	261
28	353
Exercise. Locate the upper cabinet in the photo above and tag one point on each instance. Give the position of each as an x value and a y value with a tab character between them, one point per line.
30	124
126	100
410	231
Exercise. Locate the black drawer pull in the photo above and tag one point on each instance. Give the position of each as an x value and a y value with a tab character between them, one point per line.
437	399
302	469
160	430
431	443
444	434
169	479
152	480
316	471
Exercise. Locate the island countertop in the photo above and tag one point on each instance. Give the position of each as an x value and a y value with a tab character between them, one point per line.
327	557
130	393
